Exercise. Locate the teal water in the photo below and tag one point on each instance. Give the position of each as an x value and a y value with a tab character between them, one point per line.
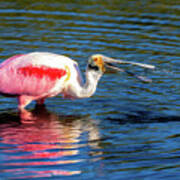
128	129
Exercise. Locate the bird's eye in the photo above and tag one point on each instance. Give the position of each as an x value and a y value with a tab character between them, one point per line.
95	59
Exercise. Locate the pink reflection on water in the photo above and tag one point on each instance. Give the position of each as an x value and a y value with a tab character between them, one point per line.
36	174
47	141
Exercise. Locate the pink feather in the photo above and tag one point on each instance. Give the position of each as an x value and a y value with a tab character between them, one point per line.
31	76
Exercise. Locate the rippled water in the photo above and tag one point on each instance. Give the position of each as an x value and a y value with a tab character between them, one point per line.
128	129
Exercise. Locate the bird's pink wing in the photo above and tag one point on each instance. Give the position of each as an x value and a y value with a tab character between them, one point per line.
10	60
28	79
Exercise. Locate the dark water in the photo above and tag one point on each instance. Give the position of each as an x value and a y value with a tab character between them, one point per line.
128	129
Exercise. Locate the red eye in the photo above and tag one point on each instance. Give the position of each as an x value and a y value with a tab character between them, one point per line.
95	59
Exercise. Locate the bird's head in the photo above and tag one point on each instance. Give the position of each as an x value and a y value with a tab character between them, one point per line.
99	63
96	63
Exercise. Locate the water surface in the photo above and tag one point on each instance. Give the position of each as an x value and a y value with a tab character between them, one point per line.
128	129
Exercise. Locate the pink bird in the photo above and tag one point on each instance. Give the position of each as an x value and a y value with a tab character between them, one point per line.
39	75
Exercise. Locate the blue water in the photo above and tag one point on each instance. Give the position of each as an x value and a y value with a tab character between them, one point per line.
128	129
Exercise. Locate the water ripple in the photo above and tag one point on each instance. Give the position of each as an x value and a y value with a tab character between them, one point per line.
127	130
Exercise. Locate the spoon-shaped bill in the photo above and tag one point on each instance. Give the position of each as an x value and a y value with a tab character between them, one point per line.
111	60
141	78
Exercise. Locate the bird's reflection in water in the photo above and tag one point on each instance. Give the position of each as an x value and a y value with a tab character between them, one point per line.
47	140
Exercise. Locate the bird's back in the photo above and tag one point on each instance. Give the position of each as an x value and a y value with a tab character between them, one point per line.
34	73
37	59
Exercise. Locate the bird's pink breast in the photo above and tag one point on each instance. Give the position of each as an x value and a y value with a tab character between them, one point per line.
42	71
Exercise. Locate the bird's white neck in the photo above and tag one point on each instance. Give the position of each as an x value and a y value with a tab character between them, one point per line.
87	89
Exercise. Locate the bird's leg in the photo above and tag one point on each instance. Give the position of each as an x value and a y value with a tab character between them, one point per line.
40	101
26	116
23	101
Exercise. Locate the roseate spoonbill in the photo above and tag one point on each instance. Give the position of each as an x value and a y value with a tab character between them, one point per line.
39	75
